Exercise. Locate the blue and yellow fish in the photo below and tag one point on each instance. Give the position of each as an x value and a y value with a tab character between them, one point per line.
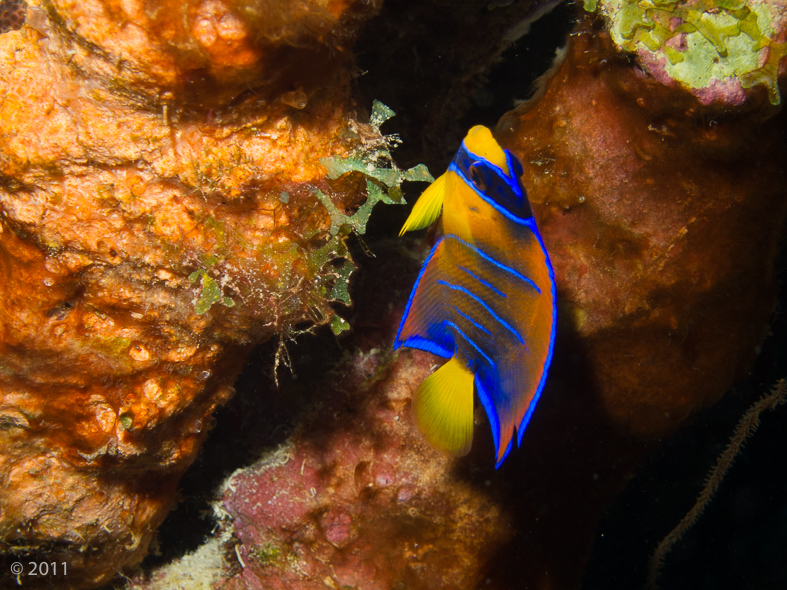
485	299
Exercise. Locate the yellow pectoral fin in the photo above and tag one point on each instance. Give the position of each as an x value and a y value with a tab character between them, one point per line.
443	408
427	208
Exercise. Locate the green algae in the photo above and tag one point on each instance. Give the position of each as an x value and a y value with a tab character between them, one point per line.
218	230
320	256
338	291
267	554
380	114
126	419
210	292
766	74
384	179
338	324
721	39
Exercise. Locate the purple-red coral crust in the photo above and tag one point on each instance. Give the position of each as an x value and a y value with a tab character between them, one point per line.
357	499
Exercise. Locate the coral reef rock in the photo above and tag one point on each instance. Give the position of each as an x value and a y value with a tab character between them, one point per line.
662	221
357	499
176	184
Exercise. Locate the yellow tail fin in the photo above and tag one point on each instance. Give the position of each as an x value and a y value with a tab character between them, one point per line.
443	408
427	208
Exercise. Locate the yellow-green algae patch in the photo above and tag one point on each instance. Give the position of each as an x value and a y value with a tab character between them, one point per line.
703	41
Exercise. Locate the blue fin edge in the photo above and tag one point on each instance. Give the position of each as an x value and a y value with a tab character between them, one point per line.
491	412
424	344
397	341
520	431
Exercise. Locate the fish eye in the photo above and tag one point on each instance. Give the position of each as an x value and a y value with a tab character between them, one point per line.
478	176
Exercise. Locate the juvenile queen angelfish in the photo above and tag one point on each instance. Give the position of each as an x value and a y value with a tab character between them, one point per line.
485	299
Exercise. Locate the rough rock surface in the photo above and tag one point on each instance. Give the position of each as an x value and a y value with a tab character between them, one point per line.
662	219
357	499
147	240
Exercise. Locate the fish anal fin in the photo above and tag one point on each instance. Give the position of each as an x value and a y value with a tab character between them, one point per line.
427	208
442	408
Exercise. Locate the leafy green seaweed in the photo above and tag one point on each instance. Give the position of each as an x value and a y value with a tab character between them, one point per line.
383	185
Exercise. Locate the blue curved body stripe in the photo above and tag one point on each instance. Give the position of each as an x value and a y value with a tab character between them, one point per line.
427	345
475	346
486	284
497	263
472	321
486	307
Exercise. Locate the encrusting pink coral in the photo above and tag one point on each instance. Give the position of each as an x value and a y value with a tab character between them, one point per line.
371	507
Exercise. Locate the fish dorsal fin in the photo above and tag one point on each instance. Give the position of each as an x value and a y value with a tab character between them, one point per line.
479	141
443	408
427	208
